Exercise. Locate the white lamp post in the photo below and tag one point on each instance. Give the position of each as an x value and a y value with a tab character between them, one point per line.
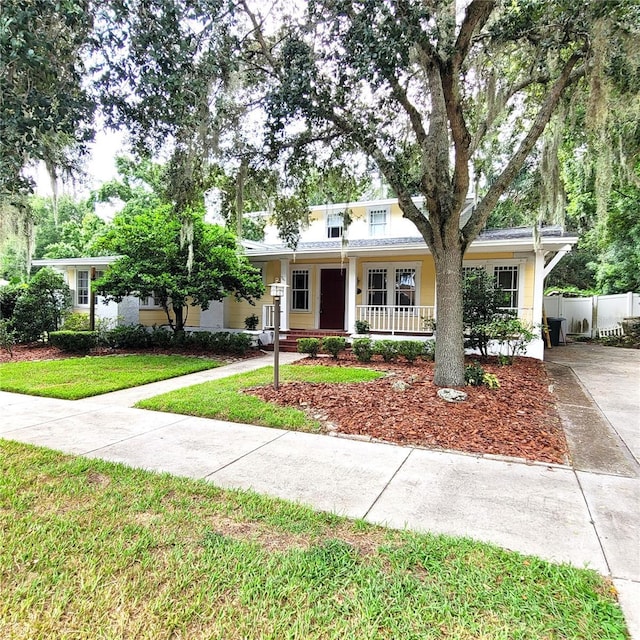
278	290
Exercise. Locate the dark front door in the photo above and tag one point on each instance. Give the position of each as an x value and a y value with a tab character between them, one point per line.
332	287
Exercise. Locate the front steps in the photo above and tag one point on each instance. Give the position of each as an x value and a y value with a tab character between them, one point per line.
289	339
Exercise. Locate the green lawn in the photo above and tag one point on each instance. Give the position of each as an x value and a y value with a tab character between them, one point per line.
223	399
75	378
90	549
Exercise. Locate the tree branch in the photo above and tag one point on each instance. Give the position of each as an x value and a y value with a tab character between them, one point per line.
481	213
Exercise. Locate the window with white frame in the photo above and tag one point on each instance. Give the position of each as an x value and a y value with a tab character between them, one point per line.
377	287
335	225
378	220
506	277
405	287
300	290
150	302
82	287
394	284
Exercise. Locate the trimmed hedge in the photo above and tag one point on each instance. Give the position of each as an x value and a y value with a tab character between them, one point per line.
310	346
74	341
334	345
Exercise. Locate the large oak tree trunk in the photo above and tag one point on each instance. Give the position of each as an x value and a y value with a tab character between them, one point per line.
449	355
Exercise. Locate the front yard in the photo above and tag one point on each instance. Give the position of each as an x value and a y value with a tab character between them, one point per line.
90	549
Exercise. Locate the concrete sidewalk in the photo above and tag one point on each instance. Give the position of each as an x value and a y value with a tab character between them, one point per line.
586	517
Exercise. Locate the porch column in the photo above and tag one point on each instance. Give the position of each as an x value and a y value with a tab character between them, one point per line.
352	291
538	291
284	301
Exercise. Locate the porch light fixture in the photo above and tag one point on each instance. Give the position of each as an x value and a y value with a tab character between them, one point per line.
278	290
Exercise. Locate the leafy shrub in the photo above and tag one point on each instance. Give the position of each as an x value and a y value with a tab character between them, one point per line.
474	374
9	295
74	341
490	380
362	326
251	322
410	350
429	350
334	345
41	307
240	343
363	349
483	300
76	321
129	336
388	349
310	346
7	337
512	335
160	337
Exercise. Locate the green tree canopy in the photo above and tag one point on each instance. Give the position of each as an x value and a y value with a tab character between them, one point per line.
438	99
159	260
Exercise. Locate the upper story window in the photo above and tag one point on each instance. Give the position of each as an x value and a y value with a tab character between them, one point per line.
335	225
300	290
378	222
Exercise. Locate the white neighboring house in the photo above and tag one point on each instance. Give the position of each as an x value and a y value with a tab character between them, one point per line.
379	270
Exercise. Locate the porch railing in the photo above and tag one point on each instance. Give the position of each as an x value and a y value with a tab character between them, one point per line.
393	319
268	316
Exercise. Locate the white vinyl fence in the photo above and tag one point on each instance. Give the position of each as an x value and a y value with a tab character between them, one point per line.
598	315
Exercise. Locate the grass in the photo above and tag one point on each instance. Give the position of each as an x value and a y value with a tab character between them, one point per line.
90	549
223	399
75	378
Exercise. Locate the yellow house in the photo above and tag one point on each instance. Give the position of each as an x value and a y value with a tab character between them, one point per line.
378	270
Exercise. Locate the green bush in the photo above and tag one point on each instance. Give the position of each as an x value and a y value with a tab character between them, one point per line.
239	343
251	322
334	345
490	380
410	350
363	349
474	374
76	321
388	349
160	337
362	326
129	336
512	335
429	350
7	336
483	301
310	346
41	307
74	341
9	295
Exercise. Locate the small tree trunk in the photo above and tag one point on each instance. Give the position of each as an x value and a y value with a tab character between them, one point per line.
449	367
178	313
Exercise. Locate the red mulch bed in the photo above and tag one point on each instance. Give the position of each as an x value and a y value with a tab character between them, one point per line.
43	351
519	419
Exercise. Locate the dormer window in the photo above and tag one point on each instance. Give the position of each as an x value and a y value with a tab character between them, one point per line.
335	225
378	221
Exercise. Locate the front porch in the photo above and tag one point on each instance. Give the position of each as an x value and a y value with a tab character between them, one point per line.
418	320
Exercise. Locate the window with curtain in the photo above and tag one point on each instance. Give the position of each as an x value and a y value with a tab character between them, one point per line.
405	287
